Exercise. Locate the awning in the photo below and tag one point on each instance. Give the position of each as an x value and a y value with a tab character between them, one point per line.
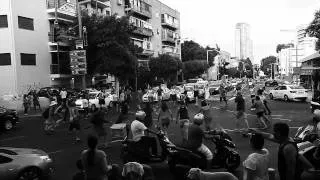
313	56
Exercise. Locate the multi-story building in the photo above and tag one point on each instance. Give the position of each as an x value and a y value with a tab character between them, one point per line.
158	27
243	42
24	50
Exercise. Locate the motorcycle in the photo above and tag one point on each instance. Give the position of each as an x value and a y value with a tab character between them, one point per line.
225	154
306	133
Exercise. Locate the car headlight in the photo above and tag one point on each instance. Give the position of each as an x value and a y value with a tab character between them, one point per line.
46	158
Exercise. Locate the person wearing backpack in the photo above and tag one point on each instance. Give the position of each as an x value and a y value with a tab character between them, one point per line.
183	119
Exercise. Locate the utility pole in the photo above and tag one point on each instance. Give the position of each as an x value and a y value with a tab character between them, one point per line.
55	27
83	77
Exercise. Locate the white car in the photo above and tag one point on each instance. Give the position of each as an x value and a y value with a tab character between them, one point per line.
289	92
94	100
150	94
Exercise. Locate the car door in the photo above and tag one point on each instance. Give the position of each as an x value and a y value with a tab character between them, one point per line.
282	91
275	92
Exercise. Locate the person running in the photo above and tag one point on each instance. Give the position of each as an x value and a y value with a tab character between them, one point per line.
26	104
206	111
98	121
259	108
223	94
74	120
257	163
240	116
95	161
49	116
264	101
290	163
164	117
148	120
183	119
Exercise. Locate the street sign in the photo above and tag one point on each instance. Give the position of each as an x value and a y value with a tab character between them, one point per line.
79	44
78	62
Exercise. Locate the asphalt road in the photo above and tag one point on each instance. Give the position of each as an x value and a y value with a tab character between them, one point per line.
65	152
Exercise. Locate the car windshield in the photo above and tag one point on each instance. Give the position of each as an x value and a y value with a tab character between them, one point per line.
296	87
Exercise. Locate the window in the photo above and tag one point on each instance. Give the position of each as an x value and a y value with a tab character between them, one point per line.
28	59
5	59
4	159
25	23
283	88
3	21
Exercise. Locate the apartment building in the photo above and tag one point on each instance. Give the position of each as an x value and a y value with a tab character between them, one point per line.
243	42
158	27
24	51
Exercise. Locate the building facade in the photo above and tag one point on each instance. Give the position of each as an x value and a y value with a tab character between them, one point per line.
24	51
158	27
31	56
243	42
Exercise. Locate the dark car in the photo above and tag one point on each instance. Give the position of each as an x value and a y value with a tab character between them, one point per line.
48	91
272	83
8	119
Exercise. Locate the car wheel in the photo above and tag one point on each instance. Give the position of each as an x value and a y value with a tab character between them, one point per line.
271	96
286	98
8	125
93	108
31	173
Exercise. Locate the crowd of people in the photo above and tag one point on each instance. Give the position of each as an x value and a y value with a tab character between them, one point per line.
93	164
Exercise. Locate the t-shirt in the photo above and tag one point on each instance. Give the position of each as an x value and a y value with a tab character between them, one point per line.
195	136
99	168
258	163
259	106
63	94
85	103
137	129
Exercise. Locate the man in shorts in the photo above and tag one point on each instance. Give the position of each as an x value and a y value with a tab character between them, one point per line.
241	116
223	93
74	120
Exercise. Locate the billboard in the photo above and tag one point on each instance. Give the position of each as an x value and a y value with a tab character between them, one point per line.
78	62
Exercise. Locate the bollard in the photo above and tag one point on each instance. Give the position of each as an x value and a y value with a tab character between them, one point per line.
272	174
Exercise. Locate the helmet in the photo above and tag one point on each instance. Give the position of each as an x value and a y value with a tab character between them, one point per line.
198	118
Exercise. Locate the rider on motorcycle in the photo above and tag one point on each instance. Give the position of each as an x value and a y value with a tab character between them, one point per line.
143	143
195	137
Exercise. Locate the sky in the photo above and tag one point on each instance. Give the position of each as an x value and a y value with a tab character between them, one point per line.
211	22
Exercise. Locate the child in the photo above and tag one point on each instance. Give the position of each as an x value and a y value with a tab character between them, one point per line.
79	175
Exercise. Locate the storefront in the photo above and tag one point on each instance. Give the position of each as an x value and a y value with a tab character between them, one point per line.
310	73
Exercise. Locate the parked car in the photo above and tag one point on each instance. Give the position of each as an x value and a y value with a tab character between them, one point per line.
48	91
94	100
214	89
8	119
289	92
22	163
271	83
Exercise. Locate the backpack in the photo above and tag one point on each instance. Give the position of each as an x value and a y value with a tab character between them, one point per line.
45	114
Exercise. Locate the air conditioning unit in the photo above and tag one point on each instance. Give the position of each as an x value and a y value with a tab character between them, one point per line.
120	2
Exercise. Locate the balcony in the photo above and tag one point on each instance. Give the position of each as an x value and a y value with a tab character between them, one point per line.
173	24
167	36
143	10
143	31
171	50
64	39
64	8
98	3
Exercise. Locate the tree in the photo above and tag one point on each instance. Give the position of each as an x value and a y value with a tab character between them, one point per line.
110	49
265	64
314	28
191	50
165	67
194	68
283	46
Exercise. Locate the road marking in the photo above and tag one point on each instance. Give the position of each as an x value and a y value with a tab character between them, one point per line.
282	119
13	138
276	115
28	116
114	141
294	127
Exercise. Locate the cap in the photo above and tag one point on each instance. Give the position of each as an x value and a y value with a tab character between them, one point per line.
52	103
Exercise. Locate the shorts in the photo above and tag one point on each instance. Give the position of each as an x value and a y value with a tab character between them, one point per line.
165	122
240	114
224	98
74	125
260	114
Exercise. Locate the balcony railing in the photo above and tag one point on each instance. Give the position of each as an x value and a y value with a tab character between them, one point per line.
143	31
167	23
167	36
143	10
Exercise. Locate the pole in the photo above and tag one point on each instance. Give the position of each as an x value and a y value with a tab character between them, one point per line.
83	77
54	31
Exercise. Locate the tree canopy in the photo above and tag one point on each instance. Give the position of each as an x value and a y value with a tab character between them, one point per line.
194	68
191	50
283	46
265	64
314	28
110	49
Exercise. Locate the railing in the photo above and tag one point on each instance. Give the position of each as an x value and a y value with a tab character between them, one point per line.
167	35
166	22
143	31
144	9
